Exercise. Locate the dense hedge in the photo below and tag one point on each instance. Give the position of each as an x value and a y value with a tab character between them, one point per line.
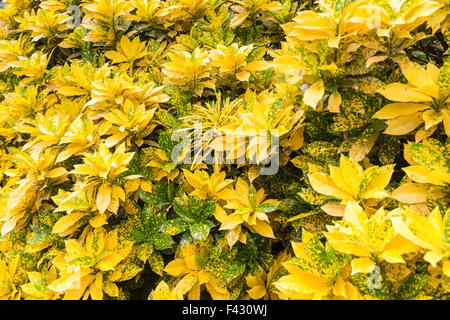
347	101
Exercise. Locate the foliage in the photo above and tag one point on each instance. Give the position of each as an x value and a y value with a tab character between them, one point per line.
354	94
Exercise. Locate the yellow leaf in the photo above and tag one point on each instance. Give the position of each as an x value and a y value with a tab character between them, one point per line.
257	292
364	265
257	66
103	197
288	64
339	287
66	282
57	172
99	220
231	221
296	140
418	77
243	75
446	120
410	193
109	262
186	283
424	232
394	110
323	183
362	147
233	236
176	267
404	124
302	284
419	10
194	293
375	189
446	268
334	102
375	59
96	288
433	257
163	292
421	174
348	176
72	91
392	256
238	19
67	221
263	228
334	209
273	6
401	245
403	93
220	214
110	289
314	94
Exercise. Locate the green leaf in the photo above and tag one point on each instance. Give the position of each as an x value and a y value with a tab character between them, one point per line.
42	233
201	261
174	226
146	252
161	197
223	263
156	262
253	267
154	220
382	291
129	270
252	196
146	227
431	155
322	150
165	142
161	241
138	235
322	259
167	119
444	77
413	286
369	175
201	230
169	166
193	208
266	207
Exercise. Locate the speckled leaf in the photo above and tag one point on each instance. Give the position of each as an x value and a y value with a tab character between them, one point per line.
319	259
266	207
128	271
161	241
200	230
174	226
42	232
222	263
361	281
193	209
167	119
165	142
146	252
413	286
431	155
159	198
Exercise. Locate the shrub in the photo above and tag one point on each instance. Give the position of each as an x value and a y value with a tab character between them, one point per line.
220	149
